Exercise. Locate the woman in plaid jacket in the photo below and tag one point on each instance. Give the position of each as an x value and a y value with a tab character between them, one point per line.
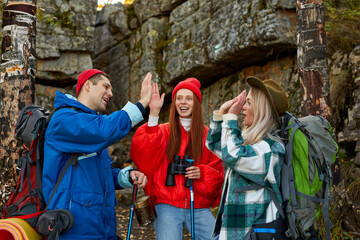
253	158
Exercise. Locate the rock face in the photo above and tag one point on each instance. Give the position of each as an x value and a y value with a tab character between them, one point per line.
351	131
209	40
64	44
349	138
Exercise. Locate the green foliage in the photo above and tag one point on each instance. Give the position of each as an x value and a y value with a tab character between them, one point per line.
161	44
337	232
164	40
130	13
49	19
57	19
342	24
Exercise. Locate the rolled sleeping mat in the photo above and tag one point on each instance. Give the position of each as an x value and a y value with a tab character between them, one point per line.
17	229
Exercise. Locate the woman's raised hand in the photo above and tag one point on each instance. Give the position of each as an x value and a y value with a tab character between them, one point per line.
157	101
238	103
225	106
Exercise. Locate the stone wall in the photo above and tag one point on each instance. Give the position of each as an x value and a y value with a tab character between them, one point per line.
209	40
345	97
64	43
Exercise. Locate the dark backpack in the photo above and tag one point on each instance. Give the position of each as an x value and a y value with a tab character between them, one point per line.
27	201
306	174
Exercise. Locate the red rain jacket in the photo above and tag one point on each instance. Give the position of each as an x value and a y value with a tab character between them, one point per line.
148	151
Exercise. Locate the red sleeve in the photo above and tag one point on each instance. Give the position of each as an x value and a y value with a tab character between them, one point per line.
148	147
211	175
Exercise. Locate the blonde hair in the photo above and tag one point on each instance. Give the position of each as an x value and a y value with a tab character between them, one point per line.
264	122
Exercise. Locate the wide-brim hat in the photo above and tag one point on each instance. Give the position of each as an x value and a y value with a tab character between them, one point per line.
273	92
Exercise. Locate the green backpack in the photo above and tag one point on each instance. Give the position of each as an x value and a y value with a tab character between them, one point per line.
306	174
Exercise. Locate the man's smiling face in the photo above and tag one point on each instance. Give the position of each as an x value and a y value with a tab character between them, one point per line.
100	93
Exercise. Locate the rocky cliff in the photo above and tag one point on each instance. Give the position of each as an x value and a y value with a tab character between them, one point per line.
64	43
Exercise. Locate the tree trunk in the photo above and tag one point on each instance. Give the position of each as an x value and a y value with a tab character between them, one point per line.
311	58
17	81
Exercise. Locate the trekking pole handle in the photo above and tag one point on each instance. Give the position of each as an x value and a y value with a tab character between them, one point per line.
188	181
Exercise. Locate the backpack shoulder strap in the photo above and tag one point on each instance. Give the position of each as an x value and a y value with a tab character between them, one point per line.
287	174
256	186
58	108
72	160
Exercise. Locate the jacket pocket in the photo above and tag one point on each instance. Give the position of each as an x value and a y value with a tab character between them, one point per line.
268	231
88	211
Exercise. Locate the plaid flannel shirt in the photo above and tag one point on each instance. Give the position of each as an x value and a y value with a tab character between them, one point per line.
260	163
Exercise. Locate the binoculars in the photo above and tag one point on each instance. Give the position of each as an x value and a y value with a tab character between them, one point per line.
178	166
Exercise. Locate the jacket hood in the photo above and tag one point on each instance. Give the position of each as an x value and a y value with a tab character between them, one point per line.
62	100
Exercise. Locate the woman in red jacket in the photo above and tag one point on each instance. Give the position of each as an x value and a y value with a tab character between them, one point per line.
154	147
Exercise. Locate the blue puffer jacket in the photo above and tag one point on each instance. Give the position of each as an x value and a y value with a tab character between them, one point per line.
88	189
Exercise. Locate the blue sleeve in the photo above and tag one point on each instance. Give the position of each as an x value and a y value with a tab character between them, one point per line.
115	173
123	178
72	131
135	112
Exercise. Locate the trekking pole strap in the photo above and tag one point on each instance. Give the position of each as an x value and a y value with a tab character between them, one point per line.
72	160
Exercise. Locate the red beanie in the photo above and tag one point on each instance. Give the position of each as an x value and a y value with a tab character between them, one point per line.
192	84
85	75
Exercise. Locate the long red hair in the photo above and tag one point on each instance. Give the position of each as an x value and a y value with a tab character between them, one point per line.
194	148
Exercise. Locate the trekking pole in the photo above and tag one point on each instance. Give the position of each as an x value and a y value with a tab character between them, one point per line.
192	212
189	183
132	210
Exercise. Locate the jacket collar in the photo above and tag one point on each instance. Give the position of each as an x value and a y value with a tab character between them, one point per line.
62	100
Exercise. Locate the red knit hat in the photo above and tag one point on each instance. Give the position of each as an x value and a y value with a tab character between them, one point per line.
85	75
192	84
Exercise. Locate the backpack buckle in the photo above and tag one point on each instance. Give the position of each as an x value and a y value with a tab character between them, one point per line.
288	233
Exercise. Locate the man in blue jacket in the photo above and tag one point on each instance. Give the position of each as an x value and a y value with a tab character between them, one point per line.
87	189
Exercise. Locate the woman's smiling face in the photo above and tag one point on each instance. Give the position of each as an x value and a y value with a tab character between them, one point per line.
184	102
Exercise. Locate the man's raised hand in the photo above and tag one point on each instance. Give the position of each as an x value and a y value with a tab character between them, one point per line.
145	93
